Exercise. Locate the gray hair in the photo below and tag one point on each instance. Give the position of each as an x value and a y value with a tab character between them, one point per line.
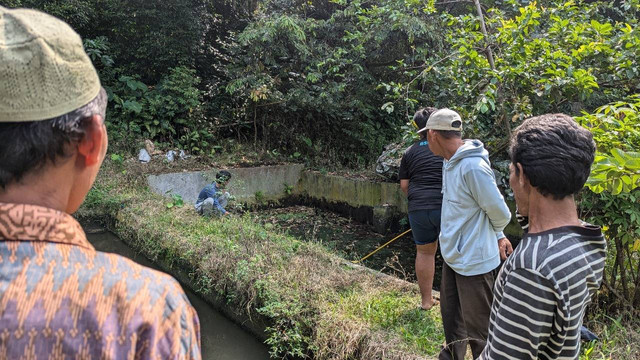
71	121
26	147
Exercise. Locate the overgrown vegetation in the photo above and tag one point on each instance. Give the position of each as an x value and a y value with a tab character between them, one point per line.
614	199
334	80
398	314
159	62
299	287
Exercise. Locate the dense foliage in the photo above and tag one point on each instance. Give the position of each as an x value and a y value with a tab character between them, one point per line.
339	78
564	57
614	199
158	61
313	83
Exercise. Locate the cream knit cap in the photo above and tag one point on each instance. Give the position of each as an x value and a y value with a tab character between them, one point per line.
44	71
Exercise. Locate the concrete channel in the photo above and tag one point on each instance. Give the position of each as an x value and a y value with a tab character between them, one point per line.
379	204
221	338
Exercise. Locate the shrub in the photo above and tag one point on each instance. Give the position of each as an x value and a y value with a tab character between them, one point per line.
613	201
162	113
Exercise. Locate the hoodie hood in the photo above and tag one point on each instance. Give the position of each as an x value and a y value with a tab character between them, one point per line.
470	148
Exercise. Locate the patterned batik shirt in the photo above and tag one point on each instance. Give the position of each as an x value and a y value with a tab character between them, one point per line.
62	299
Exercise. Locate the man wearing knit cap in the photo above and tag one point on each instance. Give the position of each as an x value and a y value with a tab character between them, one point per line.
471	240
59	297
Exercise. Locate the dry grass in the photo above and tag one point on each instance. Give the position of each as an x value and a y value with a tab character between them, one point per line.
315	304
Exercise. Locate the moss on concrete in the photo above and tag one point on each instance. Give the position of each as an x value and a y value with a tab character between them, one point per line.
353	192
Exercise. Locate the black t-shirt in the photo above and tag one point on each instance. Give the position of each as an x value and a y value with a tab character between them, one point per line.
424	171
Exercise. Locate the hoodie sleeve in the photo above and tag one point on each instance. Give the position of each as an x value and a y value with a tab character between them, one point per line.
482	185
216	203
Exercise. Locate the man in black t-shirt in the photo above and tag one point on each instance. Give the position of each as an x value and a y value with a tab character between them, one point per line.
421	180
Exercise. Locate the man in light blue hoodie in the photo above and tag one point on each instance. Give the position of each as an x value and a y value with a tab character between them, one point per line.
471	239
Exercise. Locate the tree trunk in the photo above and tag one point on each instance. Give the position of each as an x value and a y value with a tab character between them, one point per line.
623	274
486	35
255	128
614	273
265	135
636	296
489	53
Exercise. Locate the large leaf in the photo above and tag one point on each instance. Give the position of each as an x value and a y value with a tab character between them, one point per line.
632	160
132	106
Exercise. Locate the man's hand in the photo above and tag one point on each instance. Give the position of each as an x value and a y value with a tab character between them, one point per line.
505	248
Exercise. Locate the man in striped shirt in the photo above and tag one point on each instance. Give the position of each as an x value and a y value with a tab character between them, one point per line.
545	285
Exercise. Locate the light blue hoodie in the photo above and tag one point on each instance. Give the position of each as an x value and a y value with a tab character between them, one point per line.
473	212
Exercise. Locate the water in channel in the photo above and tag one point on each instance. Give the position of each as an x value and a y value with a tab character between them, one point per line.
345	237
221	339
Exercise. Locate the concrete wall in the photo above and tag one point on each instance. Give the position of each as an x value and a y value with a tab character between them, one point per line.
353	192
266	181
186	184
381	204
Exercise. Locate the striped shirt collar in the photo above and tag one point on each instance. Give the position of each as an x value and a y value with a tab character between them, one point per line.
585	230
24	222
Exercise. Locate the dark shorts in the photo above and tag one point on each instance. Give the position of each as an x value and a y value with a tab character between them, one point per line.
425	226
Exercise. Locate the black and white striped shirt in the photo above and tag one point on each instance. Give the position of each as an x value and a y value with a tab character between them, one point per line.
541	294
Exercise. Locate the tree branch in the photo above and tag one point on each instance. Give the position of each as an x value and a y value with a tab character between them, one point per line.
624	301
452	2
483	27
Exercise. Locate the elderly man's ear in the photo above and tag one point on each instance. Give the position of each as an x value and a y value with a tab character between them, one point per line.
93	146
522	178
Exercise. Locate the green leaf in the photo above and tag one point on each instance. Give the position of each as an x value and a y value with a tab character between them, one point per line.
388	107
619	155
616	188
132	106
632	160
307	141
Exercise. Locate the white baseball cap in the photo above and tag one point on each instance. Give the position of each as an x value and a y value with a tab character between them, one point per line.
444	119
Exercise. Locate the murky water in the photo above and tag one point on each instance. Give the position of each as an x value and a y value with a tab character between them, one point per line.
347	238
221	338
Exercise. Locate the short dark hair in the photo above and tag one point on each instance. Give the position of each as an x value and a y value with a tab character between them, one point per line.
555	153
422	115
26	147
450	134
223	176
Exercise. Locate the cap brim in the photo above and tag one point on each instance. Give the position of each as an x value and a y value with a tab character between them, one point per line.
442	128
422	130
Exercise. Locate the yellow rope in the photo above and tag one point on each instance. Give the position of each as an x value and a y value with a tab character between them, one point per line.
380	247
